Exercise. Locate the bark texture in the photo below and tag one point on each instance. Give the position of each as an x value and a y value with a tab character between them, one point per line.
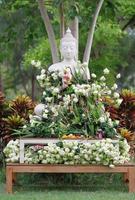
88	47
49	29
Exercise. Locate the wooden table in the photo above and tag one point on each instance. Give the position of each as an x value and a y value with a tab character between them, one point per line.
13	168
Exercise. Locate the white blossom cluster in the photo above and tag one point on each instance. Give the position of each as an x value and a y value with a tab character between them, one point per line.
36	64
105	152
12	151
105	117
82	89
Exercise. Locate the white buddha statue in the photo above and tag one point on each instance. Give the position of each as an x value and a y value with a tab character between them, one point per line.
68	50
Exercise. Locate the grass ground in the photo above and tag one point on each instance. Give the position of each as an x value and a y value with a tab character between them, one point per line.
78	187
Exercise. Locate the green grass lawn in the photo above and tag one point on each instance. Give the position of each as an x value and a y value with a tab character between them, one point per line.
78	187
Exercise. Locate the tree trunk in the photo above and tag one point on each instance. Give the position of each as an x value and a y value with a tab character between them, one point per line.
1	83
49	29
88	47
74	26
62	23
33	87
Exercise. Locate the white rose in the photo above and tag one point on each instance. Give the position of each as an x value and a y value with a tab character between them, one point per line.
111	166
67	150
75	100
102	78
33	62
95	92
102	119
44	93
118	76
38	64
45	115
115	86
46	111
44	161
38	77
109	92
117	122
93	75
119	101
106	71
43	71
42	76
56	90
48	99
116	95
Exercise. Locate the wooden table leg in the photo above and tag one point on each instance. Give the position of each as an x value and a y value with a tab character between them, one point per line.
131	179
14	178
9	179
125	177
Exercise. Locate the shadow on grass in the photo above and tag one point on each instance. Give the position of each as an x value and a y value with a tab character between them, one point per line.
69	182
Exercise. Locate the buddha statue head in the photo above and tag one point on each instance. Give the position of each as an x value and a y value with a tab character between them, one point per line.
68	46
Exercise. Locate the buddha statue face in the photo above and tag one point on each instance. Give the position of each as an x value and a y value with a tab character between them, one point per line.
68	47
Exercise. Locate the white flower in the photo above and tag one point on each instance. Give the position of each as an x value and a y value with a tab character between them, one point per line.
33	62
116	95
55	90
102	119
43	71
106	71
111	166
102	78
30	116
109	92
95	92
75	99
44	93
45	115
93	75
119	101
110	122
118	76
48	99
38	77
115	86
54	76
46	111
42	76
60	74
38	64
117	122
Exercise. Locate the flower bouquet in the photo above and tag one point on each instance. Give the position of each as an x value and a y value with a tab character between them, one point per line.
73	107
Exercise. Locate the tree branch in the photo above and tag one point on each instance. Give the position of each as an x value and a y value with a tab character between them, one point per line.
62	23
49	29
74	26
88	47
131	22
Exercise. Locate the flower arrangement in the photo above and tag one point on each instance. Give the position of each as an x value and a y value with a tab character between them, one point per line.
104	152
75	105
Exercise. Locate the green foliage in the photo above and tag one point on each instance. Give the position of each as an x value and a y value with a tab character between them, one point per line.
41	52
105	50
126	8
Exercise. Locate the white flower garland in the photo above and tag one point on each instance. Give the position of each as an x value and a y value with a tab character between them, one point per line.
103	152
